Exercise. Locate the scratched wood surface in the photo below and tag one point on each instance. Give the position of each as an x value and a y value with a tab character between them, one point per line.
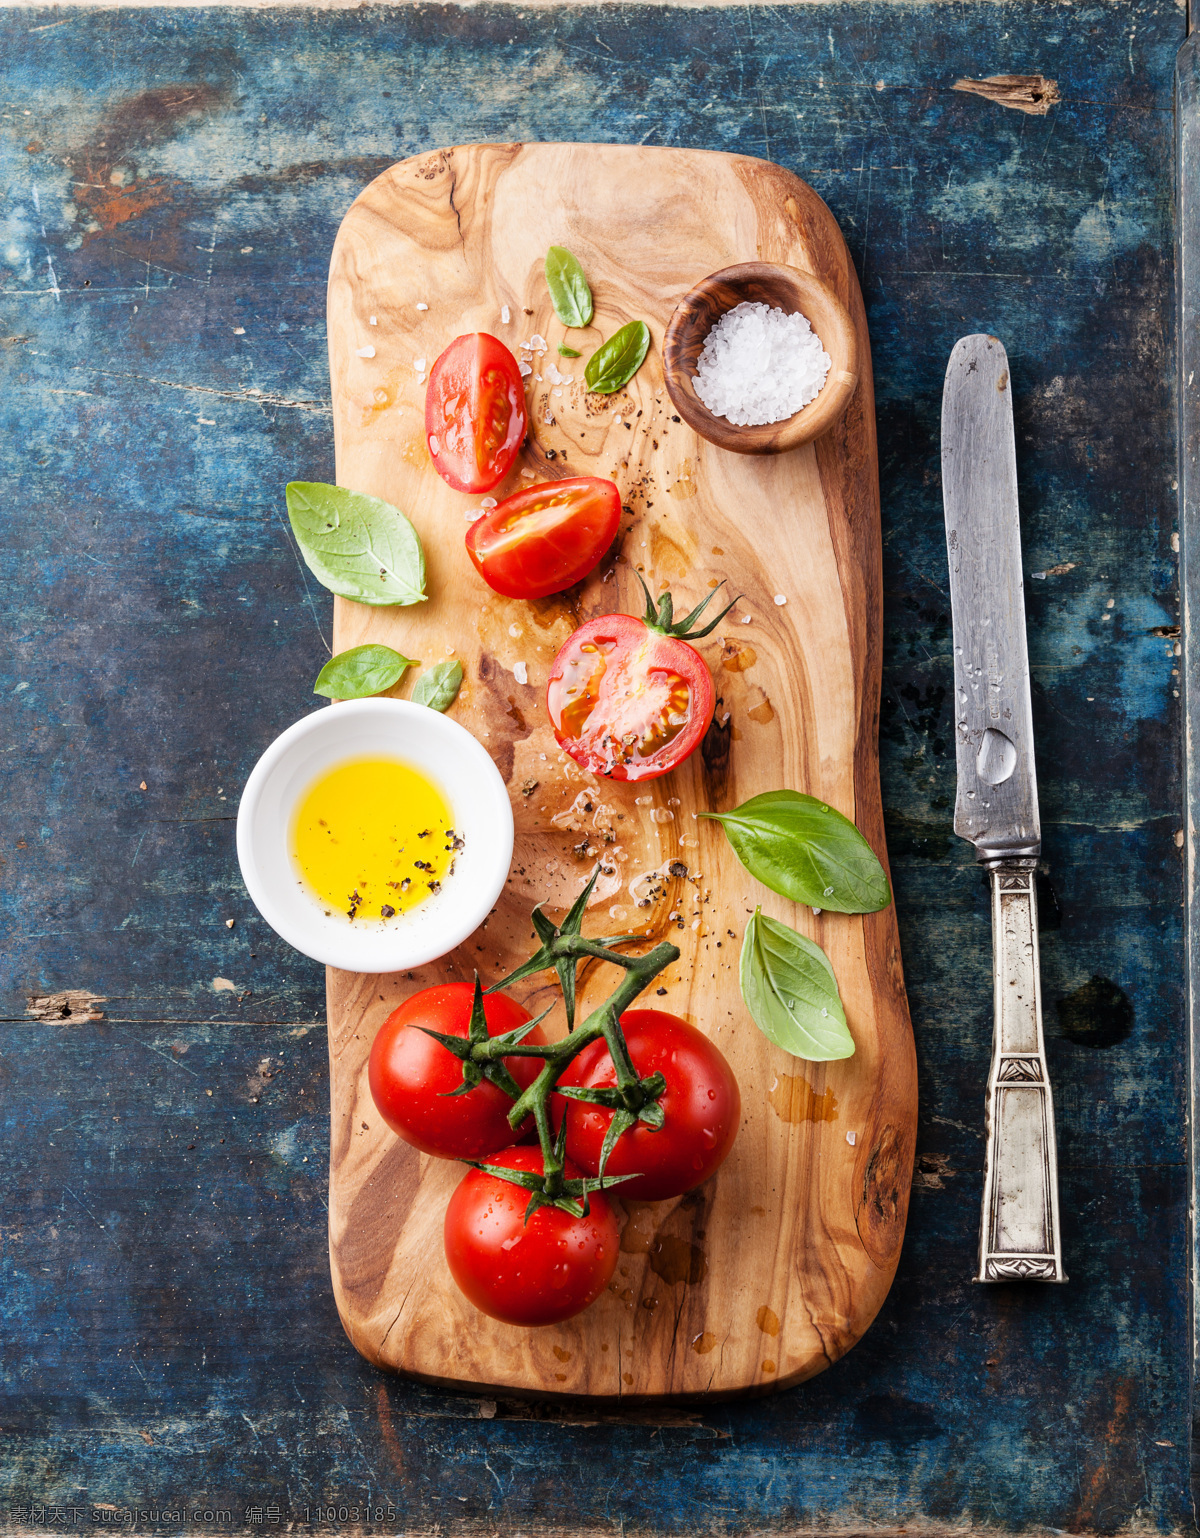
774	1268
170	202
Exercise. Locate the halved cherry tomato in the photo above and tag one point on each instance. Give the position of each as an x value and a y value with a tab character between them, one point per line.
543	539
628	697
475	412
540	1272
413	1077
701	1104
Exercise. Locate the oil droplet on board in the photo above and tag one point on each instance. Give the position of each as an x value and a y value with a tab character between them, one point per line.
565	1356
677	1260
736	659
768	1320
793	1099
762	713
703	1344
768	1366
638	1234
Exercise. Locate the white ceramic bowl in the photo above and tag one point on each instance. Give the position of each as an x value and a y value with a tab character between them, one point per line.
431	743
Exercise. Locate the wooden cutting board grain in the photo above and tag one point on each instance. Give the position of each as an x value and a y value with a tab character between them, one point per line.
774	1269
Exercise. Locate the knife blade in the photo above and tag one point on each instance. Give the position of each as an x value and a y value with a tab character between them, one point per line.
997	806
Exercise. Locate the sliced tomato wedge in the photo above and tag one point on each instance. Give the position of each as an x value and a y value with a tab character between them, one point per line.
475	417
545	538
628	697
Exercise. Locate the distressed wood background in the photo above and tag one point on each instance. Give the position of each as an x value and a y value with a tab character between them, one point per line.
172	182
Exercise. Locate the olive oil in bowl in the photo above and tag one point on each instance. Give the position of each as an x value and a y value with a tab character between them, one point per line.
372	838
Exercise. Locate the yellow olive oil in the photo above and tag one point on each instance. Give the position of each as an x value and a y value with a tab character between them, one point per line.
372	838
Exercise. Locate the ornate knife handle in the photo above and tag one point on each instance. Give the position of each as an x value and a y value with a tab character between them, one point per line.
1019	1235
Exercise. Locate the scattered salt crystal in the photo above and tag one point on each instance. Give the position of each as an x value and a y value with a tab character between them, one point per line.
527	475
470	514
538	343
746	619
419	365
552	374
239	331
521	673
365	352
434	446
505	315
760	365
780	599
374	320
420	378
525	370
422	307
488	502
852	1138
555	392
548	420
616	419
514	631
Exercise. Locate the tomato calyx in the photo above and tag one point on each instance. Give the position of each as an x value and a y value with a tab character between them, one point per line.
645	1091
563	947
553	1188
462	1047
662	621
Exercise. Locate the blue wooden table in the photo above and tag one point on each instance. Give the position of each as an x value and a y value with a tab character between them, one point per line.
172	184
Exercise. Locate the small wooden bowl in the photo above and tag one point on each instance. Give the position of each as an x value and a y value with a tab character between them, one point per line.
786	288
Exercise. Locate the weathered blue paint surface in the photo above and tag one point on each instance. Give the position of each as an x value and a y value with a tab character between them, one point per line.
172	186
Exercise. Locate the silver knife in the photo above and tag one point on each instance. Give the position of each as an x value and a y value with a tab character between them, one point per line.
997	805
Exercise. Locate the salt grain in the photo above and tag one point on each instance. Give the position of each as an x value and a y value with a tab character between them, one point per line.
521	673
239	331
488	502
374	320
760	365
435	446
525	369
422	307
365	352
780	599
505	315
419	365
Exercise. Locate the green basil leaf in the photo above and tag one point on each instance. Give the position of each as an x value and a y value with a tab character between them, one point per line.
616	361
438	686
567	352
569	291
790	990
357	546
360	672
803	849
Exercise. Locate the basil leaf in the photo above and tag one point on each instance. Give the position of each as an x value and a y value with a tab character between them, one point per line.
357	546
438	686
790	990
569	291
616	361
360	672
567	352
803	849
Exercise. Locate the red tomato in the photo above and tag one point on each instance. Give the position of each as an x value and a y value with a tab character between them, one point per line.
543	539
701	1104
475	412
412	1076
627	700
540	1272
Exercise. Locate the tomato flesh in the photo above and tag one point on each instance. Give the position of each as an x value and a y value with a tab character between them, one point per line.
701	1104
627	701
540	1272
412	1076
545	538
475	417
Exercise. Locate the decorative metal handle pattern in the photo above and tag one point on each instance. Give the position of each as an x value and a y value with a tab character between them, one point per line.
1019	1235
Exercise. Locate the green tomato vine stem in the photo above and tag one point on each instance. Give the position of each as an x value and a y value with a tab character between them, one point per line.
632	1099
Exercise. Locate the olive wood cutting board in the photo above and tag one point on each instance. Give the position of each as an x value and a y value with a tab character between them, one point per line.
772	1270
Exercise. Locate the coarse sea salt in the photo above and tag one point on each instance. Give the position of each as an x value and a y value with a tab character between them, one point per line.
760	365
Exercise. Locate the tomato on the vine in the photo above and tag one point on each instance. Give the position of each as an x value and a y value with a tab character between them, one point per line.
627	696
545	538
413	1077
475	417
701	1106
537	1272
